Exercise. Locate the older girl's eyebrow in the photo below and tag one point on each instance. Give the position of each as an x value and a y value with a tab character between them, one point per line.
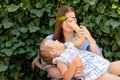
70	17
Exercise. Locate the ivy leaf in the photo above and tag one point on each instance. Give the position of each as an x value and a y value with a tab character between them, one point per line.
117	38
51	22
98	19
15	75
33	28
38	13
9	43
114	6
19	44
8	52
23	29
3	67
63	18
40	4
8	25
21	51
91	2
13	8
101	8
1	26
76	1
114	23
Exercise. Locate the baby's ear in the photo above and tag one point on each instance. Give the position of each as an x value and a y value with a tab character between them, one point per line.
53	51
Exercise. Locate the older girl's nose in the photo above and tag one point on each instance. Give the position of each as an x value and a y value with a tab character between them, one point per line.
70	19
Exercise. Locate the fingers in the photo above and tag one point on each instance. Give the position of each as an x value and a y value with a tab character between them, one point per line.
78	73
84	32
70	20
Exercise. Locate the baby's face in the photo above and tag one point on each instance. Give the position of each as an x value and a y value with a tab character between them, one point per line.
56	45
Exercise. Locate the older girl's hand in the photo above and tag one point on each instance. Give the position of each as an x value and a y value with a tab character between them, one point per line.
84	32
78	73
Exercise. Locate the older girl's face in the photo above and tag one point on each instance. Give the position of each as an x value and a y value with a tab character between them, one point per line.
71	16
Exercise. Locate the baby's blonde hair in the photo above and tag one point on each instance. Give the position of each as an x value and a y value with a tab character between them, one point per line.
44	54
45	51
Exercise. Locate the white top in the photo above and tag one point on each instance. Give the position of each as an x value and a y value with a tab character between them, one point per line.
93	65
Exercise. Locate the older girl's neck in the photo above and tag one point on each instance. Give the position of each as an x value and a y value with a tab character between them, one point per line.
69	36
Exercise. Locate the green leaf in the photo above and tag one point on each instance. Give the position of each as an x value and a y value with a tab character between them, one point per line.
108	54
98	19
105	29
117	55
114	23
51	22
23	29
118	11
63	18
27	4
19	17
21	51
33	28
31	54
76	1
3	67
101	8
13	8
4	37
2	54
2	76
15	75
9	43
39	4
112	13
48	7
91	2
86	7
30	41
1	26
114	6
19	44
117	35
7	24
38	13
8	52
114	47
15	32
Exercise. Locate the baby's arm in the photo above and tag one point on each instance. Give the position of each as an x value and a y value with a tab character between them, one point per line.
76	28
68	73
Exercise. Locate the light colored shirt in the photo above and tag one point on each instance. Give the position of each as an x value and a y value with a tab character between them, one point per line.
93	65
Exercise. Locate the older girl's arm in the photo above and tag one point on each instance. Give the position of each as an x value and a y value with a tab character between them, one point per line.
93	46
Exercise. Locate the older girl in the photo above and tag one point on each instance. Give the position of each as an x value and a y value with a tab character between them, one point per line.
64	33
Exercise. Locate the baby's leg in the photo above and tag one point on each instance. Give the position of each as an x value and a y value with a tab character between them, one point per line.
108	76
114	68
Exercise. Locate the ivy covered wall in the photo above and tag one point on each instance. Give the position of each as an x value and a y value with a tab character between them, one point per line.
24	23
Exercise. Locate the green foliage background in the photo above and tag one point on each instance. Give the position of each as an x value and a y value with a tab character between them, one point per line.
24	23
